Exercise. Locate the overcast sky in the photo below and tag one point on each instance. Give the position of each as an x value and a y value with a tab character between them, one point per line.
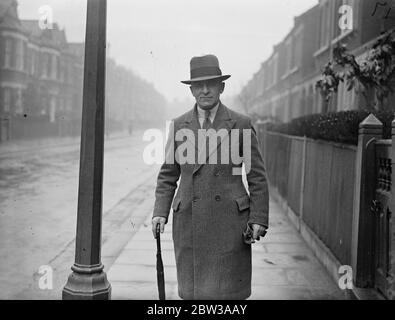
157	38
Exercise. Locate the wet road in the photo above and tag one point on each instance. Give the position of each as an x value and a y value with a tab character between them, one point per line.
38	202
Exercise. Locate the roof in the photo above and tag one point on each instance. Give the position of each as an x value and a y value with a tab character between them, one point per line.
53	36
298	20
31	28
4	6
9	14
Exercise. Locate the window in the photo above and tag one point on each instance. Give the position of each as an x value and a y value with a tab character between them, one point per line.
33	57
44	64
19	54
26	57
49	66
44	105
8	52
70	72
325	18
261	82
66	72
265	77
61	69
54	66
272	71
37	63
288	56
18	101
297	50
275	68
269	73
6	99
52	109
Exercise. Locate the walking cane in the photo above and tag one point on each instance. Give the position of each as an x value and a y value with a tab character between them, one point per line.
159	267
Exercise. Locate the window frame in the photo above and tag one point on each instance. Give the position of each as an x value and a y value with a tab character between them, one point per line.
8	48
7	99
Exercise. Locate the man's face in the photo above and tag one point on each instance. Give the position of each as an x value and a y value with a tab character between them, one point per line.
207	93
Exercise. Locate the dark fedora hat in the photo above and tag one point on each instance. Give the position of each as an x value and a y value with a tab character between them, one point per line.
205	68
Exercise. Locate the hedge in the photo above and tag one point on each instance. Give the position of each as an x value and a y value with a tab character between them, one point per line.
339	127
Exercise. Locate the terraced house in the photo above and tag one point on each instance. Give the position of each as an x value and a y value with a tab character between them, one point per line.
40	77
41	83
284	86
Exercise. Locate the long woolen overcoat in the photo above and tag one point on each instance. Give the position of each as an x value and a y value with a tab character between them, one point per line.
212	206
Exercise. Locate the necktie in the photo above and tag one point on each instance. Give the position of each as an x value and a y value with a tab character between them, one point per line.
207	121
206	126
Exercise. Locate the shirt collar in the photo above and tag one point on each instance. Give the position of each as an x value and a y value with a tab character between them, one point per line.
213	112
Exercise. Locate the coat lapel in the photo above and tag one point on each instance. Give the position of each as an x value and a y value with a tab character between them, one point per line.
222	120
191	122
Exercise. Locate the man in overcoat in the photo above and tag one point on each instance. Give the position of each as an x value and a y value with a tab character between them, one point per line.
212	207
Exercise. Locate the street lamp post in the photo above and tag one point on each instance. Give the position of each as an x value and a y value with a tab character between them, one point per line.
88	280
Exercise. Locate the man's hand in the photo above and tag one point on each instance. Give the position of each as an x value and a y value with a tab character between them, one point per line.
158	220
258	231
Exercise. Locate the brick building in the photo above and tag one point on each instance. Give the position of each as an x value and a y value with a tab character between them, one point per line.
284	87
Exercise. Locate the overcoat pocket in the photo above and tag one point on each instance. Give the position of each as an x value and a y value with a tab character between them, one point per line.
243	203
176	204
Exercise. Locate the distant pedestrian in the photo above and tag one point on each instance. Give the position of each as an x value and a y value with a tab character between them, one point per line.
212	207
130	127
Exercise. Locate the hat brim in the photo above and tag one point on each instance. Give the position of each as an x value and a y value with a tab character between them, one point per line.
223	78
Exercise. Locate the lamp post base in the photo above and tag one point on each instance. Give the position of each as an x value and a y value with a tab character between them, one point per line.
87	283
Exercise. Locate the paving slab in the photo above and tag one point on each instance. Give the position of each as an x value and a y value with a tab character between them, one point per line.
291	248
131	256
135	272
283	260
266	292
141	291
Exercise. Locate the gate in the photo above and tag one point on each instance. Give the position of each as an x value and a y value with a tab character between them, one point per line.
381	210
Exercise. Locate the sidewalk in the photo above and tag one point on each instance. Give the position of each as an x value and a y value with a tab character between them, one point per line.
284	267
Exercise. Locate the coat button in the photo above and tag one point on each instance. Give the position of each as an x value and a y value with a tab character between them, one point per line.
218	198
